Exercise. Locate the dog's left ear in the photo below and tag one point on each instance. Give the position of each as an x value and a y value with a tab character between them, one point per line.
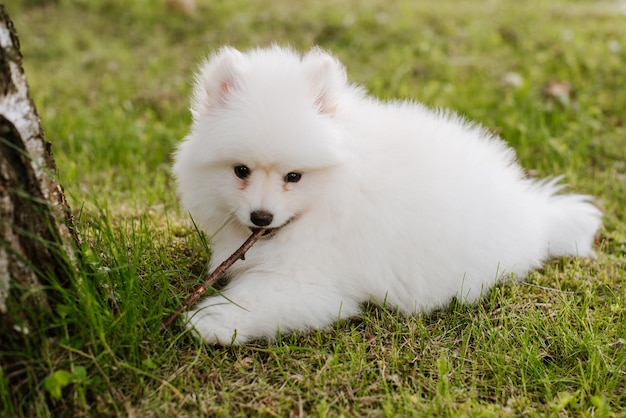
328	79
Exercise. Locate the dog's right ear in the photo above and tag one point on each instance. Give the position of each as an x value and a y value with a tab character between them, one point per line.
328	79
216	80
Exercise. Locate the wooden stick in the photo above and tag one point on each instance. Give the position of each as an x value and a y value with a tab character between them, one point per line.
212	278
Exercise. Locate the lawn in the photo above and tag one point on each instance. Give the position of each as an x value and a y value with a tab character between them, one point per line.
111	81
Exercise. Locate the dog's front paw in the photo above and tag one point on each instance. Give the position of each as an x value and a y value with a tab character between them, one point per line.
217	325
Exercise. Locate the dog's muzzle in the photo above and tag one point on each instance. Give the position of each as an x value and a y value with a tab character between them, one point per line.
270	232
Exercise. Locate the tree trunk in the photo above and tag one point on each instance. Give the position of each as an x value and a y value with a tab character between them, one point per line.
38	246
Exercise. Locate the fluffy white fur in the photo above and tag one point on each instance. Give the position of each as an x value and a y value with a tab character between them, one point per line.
397	203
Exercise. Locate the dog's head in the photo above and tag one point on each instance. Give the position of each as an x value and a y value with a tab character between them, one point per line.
264	143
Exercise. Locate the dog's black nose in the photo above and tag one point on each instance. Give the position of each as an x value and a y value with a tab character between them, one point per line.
261	217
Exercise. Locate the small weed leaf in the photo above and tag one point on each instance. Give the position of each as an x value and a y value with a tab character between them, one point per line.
80	373
57	381
72	342
63	310
149	364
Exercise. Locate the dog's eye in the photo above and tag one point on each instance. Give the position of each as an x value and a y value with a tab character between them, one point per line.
293	177
242	171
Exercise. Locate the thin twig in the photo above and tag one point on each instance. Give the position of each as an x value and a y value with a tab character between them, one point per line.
212	278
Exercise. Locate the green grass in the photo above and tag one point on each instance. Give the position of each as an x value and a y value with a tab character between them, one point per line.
111	81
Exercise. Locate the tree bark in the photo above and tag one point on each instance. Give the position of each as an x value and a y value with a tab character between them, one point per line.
38	244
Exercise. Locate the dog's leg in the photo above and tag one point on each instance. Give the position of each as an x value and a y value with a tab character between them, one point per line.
259	305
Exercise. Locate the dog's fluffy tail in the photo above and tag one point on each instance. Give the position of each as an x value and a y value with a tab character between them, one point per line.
572	222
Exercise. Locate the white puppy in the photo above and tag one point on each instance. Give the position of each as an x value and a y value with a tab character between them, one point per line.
366	201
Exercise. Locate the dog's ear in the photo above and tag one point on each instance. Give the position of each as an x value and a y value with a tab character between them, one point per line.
328	79
216	80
